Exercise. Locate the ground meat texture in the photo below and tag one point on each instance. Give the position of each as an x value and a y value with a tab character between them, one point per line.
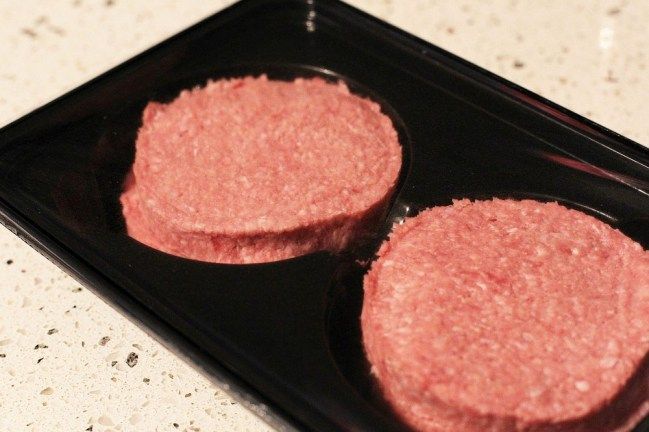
254	170
509	316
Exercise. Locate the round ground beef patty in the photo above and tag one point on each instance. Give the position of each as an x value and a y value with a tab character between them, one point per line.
253	170
509	316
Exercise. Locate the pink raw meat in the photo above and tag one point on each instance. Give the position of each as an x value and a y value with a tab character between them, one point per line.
253	170
510	316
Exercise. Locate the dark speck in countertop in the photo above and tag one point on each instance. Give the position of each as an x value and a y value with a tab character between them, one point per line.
29	33
613	11
610	77
131	359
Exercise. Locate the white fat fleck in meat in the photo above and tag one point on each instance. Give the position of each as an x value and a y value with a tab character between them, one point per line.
582	386
527	336
535	392
608	362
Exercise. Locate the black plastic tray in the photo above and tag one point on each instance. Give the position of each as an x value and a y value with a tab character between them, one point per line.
286	334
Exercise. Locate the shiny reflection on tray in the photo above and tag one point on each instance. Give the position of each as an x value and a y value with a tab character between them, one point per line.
637	184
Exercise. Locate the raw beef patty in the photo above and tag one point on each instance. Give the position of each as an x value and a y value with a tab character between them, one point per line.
510	316
254	170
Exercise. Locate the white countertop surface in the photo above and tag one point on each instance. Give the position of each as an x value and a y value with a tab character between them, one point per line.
63	351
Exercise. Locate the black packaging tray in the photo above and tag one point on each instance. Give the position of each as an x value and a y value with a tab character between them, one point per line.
286	334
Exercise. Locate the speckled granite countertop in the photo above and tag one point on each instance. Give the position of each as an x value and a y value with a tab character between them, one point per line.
68	362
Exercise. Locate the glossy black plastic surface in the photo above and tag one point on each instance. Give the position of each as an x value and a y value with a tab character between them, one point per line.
287	333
